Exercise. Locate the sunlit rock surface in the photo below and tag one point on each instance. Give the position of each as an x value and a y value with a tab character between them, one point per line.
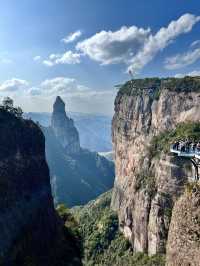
146	189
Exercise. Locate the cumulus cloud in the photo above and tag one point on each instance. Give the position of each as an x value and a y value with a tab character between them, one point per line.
72	37
109	47
61	86
182	60
37	58
134	46
41	97
13	85
67	58
162	39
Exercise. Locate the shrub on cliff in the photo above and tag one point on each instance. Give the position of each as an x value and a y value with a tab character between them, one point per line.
155	85
162	142
71	225
103	244
8	106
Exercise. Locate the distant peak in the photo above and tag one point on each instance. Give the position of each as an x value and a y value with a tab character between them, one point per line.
59	105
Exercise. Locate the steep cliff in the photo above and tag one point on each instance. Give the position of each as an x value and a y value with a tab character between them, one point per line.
64	129
77	175
103	244
147	185
184	235
31	231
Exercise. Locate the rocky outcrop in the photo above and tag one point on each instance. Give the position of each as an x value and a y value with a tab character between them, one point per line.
94	129
64	129
77	175
147	187
184	235
31	231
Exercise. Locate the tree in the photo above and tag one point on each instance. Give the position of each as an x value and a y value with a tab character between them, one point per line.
8	103
18	112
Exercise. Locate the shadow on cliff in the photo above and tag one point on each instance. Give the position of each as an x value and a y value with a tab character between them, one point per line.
32	233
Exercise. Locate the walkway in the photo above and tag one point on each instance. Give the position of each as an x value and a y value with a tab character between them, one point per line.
192	154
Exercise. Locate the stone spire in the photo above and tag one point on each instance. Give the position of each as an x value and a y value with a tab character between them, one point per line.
63	127
59	105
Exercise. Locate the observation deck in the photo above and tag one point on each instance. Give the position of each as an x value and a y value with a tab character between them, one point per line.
193	154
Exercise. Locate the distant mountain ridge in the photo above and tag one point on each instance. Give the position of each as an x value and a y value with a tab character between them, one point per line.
77	175
94	129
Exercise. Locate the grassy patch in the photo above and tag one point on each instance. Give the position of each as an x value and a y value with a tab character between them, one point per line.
162	142
155	85
103	244
146	181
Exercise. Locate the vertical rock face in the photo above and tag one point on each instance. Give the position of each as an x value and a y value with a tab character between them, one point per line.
31	232
184	234
146	188
77	175
63	128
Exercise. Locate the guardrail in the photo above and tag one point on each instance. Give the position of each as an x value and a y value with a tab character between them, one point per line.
188	153
192	154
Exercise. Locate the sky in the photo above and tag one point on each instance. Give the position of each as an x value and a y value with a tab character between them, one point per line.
81	49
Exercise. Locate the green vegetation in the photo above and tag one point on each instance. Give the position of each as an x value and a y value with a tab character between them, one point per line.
155	85
70	223
146	181
162	142
186	84
103	244
8	105
137	86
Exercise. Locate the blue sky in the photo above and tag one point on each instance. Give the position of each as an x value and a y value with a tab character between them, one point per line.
81	48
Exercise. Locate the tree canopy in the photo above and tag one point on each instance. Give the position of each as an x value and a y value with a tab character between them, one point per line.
8	105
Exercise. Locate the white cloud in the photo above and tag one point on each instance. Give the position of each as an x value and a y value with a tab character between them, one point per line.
48	63
61	85
194	73
37	58
79	97
13	85
182	60
162	39
109	47
6	61
134	46
195	43
67	58
72	37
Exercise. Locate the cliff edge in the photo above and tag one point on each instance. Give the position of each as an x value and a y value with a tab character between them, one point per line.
31	231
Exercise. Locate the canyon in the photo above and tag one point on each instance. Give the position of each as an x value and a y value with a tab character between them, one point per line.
155	201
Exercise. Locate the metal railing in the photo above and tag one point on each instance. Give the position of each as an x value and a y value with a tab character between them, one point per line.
190	152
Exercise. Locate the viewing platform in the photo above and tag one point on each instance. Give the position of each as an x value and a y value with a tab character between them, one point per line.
190	152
